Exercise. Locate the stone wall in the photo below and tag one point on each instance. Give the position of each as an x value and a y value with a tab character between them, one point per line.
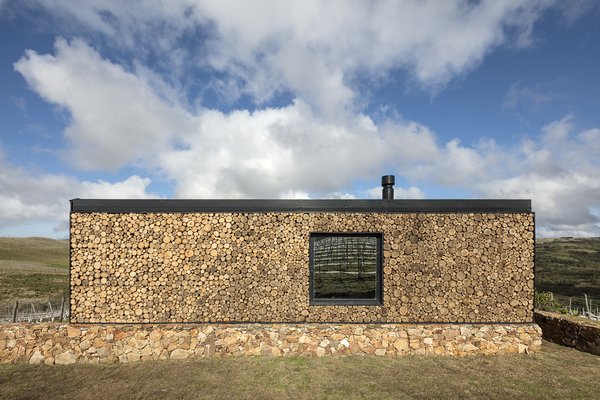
66	344
254	267
582	334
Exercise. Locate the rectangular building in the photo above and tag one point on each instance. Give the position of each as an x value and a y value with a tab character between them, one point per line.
326	261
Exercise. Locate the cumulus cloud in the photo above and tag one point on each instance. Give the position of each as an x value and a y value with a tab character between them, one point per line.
310	48
271	152
112	110
27	197
133	187
319	143
411	192
294	152
559	171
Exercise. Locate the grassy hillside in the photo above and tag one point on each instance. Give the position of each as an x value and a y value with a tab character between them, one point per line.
36	250
33	270
568	267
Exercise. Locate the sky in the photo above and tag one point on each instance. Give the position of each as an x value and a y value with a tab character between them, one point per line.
299	99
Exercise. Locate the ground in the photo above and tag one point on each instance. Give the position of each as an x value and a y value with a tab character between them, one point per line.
569	267
49	252
33	270
555	373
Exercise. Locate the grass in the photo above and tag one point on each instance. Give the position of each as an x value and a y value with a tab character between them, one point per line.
28	287
550	374
49	252
580	320
33	270
568	268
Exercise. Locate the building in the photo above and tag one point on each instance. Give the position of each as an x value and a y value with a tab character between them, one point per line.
289	261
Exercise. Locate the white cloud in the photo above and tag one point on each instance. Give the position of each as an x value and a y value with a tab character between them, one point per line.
460	165
560	172
311	48
133	187
27	197
317	145
411	192
116	116
269	152
292	151
341	195
117	119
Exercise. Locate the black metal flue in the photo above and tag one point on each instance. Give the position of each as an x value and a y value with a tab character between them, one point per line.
388	181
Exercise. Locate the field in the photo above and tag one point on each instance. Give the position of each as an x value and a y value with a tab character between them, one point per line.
569	268
33	271
35	250
555	373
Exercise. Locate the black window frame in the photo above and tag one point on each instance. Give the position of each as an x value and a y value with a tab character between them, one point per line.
377	301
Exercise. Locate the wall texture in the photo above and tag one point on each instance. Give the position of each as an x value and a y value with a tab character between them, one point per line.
577	332
67	344
254	267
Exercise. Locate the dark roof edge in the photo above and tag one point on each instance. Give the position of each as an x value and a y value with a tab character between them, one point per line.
360	206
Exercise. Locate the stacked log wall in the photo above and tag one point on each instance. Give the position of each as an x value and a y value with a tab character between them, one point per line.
254	267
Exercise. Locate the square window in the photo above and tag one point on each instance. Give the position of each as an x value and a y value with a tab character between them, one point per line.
345	268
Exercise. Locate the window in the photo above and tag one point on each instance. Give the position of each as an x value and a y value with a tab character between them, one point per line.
345	268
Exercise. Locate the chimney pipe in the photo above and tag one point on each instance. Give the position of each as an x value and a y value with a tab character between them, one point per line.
387	181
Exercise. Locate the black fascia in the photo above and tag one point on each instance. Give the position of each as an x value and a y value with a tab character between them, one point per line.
333	205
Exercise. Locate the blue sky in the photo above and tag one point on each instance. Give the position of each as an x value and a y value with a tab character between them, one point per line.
268	99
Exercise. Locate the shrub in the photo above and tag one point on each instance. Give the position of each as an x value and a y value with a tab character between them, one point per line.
545	301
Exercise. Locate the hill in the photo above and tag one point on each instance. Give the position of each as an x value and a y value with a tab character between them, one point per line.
568	267
35	250
33	271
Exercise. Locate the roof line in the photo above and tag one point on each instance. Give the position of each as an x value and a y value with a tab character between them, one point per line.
275	205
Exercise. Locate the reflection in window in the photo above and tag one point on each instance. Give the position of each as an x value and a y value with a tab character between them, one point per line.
346	268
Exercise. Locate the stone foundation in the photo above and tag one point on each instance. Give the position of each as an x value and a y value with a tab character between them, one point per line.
66	344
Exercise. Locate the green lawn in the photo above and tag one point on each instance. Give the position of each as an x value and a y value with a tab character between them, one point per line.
555	373
564	266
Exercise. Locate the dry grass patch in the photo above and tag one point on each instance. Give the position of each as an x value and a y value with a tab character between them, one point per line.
31	287
33	270
45	251
556	373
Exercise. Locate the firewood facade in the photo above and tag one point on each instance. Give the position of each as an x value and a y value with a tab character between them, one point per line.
282	261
